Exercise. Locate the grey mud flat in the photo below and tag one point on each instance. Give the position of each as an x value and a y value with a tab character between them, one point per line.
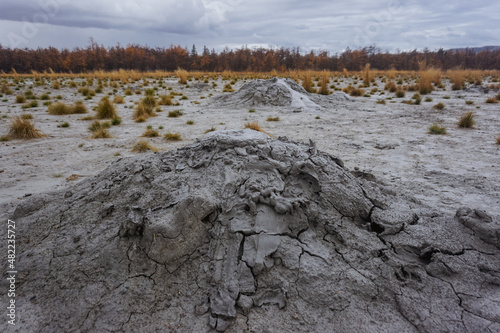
242	232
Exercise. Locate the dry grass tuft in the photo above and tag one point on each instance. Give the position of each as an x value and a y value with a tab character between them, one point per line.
498	140
172	136
165	100
59	108
256	127
436	129
227	88
427	78
78	107
325	79
438	106
175	113
143	146
353	91
366	76
103	133
100	130
457	78
307	83
119	100
391	86
273	119
4	89
20	99
467	120
105	109
150	133
21	128
182	75
26	116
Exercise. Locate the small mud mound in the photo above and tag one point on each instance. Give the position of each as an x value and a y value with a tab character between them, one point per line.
277	92
241	232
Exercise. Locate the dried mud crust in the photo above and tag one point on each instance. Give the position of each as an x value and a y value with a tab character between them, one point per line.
239	231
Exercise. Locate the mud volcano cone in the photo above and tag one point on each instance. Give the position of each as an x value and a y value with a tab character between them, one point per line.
278	92
240	231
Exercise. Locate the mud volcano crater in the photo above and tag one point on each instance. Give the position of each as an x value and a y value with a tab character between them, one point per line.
240	231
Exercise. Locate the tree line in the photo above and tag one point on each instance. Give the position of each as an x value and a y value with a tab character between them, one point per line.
142	58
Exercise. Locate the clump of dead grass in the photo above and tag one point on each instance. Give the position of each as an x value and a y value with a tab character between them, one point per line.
105	109
150	133
255	127
182	75
457	78
59	108
172	136
100	130
436	129
366	76
165	100
119	99
353	91
23	128
467	120
307	82
143	146
325	79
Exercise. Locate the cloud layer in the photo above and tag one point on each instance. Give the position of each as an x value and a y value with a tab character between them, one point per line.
322	24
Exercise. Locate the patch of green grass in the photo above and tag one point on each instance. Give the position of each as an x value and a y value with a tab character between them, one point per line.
251	111
469	102
64	125
190	122
211	129
273	119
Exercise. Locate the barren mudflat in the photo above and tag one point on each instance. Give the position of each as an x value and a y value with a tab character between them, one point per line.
388	142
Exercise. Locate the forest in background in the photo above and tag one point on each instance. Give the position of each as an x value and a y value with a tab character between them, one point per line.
96	57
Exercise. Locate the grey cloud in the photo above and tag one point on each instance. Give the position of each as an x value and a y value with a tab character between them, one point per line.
322	24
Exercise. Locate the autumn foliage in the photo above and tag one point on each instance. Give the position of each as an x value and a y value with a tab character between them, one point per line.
96	57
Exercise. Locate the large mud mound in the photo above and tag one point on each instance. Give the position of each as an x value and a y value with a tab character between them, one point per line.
243	232
277	92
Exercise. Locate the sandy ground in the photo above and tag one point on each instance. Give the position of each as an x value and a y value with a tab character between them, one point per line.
389	141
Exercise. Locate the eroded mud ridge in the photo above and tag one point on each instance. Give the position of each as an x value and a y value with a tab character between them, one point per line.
241	231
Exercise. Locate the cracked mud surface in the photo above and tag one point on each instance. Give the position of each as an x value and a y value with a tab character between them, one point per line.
241	232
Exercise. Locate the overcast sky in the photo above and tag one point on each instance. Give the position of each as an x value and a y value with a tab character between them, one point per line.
319	24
